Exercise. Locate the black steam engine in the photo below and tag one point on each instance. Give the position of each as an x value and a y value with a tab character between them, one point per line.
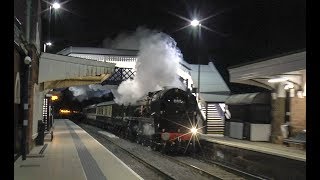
165	120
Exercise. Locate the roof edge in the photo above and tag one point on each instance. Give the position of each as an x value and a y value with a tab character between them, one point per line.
94	50
267	58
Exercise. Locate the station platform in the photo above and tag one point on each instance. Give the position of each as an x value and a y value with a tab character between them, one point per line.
72	154
262	147
263	159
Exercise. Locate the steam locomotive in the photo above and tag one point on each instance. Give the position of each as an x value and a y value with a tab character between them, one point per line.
166	120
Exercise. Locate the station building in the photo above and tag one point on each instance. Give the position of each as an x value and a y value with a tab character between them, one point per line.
285	76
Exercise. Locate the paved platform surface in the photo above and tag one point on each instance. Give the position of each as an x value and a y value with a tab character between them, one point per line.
263	147
73	154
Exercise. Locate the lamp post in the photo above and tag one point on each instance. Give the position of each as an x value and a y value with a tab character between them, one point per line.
54	6
27	61
195	23
25	144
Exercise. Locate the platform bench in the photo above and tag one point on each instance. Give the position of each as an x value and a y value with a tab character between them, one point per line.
299	139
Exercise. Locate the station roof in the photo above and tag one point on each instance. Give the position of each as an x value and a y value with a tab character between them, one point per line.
101	51
249	98
290	66
106	103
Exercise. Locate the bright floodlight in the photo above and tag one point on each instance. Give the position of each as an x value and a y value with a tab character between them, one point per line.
277	80
194	23
56	5
194	130
48	43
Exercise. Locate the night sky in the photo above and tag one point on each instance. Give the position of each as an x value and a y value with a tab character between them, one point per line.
243	31
247	29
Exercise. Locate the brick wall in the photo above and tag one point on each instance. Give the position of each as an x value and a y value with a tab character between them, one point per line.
17	107
34	71
298	114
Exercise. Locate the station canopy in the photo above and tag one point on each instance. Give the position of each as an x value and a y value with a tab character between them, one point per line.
289	66
249	98
59	71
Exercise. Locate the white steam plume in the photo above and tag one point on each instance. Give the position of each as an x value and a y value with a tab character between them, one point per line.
156	67
85	92
128	40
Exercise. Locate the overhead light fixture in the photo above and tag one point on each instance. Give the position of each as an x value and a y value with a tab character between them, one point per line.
275	80
289	86
300	93
48	43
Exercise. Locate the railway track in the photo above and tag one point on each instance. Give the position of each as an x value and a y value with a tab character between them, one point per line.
156	170
248	176
215	173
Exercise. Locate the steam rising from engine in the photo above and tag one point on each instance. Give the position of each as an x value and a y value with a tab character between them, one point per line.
156	67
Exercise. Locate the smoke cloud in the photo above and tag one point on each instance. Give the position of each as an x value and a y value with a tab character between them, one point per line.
128	40
156	67
86	92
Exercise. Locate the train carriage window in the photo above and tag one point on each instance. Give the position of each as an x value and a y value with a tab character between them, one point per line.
101	110
109	111
104	110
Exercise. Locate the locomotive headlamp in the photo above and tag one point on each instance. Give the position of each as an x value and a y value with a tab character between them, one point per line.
194	130
53	98
165	136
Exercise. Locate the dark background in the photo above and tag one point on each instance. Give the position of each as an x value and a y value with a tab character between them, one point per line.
254	28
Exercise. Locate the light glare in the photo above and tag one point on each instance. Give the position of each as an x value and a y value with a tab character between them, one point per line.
194	130
56	5
194	23
64	111
53	98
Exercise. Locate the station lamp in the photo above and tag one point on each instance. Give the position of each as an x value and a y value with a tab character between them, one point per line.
54	97
275	80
